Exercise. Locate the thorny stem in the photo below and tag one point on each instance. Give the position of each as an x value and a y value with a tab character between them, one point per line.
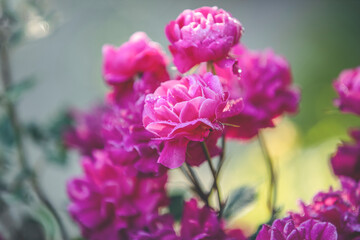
271	201
213	172
6	80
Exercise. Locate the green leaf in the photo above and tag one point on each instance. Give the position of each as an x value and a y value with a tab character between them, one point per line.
23	193
238	200
35	132
59	124
176	205
47	221
30	229
7	137
14	93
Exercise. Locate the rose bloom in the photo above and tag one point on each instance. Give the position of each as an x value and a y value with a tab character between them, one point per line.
263	80
158	228
129	143
341	208
347	85
202	35
85	134
203	224
109	204
346	161
183	113
285	229
139	58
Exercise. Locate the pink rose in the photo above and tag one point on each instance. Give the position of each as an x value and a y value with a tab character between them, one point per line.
346	161
86	132
347	86
139	58
182	111
263	79
107	201
202	35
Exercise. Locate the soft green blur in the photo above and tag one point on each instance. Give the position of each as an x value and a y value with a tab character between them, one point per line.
319	38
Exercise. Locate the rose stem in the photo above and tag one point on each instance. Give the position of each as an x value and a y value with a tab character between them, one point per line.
271	202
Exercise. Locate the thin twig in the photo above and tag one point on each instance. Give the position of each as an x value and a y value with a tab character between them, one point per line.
189	174
271	201
6	80
213	172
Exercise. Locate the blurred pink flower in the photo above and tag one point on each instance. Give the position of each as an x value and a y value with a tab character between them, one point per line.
158	228
86	132
347	86
264	81
129	143
107	203
139	58
346	161
202	35
341	208
203	224
181	111
285	229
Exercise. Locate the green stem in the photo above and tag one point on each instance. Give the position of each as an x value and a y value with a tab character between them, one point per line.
213	172
271	201
6	80
191	176
210	67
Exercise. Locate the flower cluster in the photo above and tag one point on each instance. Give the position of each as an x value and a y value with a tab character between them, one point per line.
202	223
333	214
153	122
263	80
285	229
107	203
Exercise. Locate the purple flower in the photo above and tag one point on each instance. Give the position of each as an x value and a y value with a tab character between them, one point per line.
182	111
341	208
107	203
346	161
129	143
202	35
285	229
138	58
264	81
347	86
158	228
86	134
203	224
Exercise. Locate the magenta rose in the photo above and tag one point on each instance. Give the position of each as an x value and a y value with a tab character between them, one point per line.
346	161
129	143
86	133
108	204
202	223
285	229
139	58
184	111
347	86
340	208
263	80
159	227
202	35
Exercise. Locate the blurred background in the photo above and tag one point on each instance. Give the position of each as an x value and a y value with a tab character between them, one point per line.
319	39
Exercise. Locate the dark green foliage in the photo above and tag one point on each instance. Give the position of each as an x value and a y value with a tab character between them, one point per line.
238	200
176	205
